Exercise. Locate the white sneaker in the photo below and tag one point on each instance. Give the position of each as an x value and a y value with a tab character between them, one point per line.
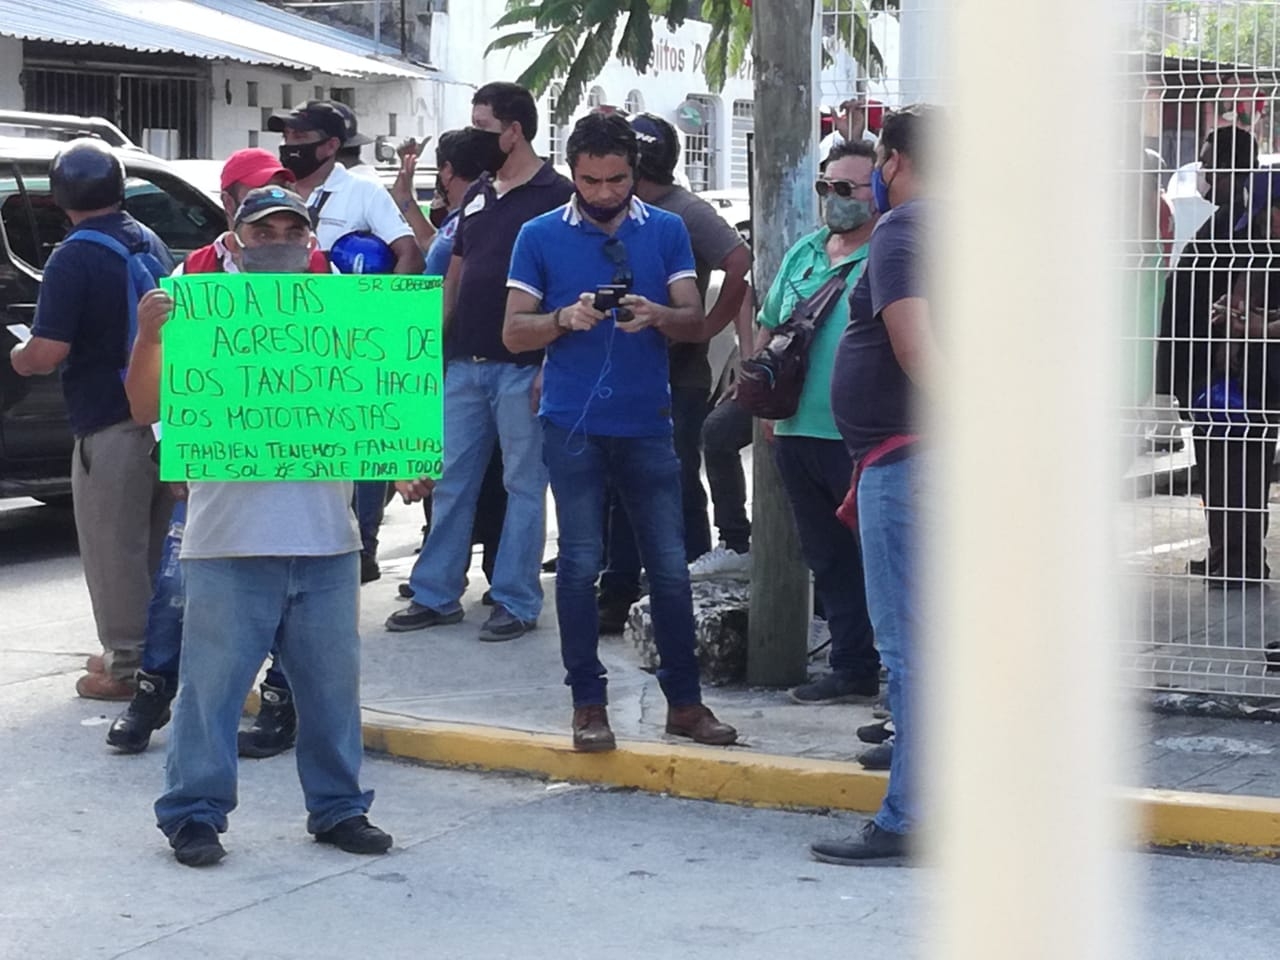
721	563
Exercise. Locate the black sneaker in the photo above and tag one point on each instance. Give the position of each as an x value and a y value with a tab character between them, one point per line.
405	590
873	846
196	845
504	625
879	757
837	688
369	569
356	835
877	732
487	599
416	617
147	712
275	728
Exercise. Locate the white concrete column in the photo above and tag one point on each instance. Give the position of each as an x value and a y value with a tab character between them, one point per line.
1025	732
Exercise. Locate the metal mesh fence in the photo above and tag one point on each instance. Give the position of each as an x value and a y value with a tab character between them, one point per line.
1200	325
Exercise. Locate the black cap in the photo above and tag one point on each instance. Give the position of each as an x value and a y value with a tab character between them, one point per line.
659	148
354	137
268	200
322	115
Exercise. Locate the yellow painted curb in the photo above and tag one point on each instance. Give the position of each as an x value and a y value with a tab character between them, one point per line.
1167	817
1173	817
727	775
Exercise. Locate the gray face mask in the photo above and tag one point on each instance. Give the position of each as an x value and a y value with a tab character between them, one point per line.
842	214
275	258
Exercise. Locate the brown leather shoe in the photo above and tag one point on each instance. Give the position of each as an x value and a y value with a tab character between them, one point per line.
98	686
95	664
699	724
591	733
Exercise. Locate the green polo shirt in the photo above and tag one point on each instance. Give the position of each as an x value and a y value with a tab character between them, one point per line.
804	269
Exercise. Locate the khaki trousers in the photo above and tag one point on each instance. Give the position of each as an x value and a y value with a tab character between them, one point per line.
122	514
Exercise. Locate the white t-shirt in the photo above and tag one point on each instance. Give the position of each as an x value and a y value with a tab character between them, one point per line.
350	203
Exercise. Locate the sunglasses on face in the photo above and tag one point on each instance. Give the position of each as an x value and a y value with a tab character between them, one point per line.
841	188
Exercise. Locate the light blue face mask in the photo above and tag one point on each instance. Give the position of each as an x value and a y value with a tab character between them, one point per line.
842	214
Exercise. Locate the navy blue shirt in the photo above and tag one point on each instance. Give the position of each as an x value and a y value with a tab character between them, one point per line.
871	396
84	302
487	229
604	381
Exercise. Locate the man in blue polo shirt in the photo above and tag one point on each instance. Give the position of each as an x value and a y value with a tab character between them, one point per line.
602	283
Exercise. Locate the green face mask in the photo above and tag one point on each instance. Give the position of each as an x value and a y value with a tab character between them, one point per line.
842	214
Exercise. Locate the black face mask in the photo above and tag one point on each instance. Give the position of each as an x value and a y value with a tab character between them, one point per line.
490	147
300	158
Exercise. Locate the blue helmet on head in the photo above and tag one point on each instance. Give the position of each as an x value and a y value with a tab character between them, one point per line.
361	252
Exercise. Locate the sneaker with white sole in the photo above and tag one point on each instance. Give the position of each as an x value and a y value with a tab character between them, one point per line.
721	563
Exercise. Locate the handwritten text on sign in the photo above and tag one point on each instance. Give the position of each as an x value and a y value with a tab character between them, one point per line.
302	377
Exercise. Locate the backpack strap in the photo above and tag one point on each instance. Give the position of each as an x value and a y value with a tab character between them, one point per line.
143	271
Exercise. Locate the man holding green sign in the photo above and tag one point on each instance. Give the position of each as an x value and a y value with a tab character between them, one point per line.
269	380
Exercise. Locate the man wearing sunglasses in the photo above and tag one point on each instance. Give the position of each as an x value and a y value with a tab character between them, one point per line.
812	460
602	284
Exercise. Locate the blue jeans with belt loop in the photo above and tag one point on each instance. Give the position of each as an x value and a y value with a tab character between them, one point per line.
235	609
646	474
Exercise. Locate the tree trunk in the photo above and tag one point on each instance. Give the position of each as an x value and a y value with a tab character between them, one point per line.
784	210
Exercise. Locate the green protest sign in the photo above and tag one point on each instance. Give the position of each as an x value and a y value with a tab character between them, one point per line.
302	377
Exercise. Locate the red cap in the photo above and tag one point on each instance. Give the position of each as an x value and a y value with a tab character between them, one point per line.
254	167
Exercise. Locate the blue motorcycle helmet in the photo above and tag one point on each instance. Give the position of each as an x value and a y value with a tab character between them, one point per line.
361	252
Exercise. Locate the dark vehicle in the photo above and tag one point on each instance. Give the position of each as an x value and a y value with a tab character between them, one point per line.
35	441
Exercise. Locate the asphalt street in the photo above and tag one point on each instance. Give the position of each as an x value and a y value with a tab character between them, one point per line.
483	867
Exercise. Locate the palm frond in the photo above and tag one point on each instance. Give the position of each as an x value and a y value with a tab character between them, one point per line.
635	46
596	49
554	60
505	42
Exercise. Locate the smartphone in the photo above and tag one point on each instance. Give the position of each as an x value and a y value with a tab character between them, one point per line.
608	295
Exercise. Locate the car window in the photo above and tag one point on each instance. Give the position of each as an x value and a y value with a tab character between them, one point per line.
16	219
51	224
181	215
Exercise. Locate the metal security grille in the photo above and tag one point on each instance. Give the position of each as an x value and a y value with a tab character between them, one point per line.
699	148
1201	333
743	124
161	113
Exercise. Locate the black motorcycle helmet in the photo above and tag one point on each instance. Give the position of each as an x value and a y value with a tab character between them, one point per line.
86	175
659	148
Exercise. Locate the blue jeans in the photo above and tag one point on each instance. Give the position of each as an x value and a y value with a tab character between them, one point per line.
621	577
369	501
816	474
234	608
888	509
646	474
162	641
484	402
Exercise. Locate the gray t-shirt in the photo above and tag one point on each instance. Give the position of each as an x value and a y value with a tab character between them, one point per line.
276	519
712	240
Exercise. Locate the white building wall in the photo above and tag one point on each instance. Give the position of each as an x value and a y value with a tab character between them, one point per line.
235	122
10	72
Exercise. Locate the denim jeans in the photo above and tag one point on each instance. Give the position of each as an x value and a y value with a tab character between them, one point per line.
162	642
234	607
369	502
816	474
889	502
646	474
484	402
621	577
725	433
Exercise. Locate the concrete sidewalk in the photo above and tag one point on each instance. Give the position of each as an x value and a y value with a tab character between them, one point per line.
441	696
